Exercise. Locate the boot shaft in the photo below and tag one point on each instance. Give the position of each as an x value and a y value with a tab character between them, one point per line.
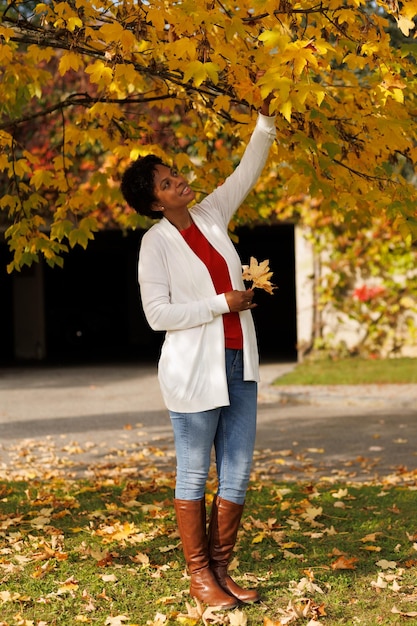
223	528
191	520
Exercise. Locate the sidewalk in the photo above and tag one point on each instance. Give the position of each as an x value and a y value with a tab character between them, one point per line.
377	396
110	420
23	387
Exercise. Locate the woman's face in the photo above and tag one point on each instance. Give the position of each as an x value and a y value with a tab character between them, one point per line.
170	189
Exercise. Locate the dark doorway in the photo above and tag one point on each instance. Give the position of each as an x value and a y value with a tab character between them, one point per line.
6	306
92	305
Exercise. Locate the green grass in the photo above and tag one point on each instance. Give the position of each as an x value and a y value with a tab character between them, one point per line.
355	371
88	552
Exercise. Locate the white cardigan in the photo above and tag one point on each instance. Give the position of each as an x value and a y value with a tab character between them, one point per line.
178	295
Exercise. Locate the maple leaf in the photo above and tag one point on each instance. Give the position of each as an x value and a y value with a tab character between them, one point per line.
370	537
344	562
403	613
259	274
68	586
384	564
118	620
238	618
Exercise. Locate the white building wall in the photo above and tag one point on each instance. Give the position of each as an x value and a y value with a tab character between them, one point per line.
304	291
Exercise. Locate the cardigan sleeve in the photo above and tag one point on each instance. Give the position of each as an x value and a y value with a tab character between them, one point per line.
162	311
227	198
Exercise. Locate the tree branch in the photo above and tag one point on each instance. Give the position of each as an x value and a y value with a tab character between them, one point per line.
80	99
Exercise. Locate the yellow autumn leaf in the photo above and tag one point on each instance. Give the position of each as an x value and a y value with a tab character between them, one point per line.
408	227
286	109
74	22
275	38
156	17
119	532
405	25
259	274
199	72
341	493
68	586
222	102
42	178
311	513
114	31
6	33
100	73
370	537
111	31
69	61
184	47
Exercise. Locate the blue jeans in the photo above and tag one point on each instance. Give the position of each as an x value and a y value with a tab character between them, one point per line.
231	429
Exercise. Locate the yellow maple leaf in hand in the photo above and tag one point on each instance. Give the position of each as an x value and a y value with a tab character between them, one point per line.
259	274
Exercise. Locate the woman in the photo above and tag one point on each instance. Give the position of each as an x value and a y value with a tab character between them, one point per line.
191	285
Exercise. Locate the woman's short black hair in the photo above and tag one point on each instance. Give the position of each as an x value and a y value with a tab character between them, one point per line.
138	184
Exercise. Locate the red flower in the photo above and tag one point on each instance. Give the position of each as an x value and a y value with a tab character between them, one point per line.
365	293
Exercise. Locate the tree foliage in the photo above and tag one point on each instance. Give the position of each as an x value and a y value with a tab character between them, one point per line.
88	85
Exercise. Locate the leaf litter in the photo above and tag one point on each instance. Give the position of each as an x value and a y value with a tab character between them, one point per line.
115	514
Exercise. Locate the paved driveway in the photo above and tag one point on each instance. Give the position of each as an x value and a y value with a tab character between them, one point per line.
83	421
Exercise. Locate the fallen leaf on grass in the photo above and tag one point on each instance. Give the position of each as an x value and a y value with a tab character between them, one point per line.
121	532
380	583
310	512
342	493
295	611
108	578
68	586
403	613
344	562
238	618
169	548
210	615
372	548
394	509
8	596
118	620
384	564
306	585
159	620
370	537
141	558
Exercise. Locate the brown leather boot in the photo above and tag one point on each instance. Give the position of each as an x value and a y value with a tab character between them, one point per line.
191	518
224	524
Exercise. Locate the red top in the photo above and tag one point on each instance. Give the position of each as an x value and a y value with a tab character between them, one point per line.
220	276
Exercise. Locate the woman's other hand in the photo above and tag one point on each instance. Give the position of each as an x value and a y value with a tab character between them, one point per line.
240	300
